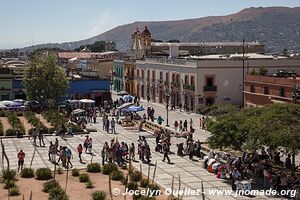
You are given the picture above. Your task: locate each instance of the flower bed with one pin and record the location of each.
(15, 121)
(31, 118)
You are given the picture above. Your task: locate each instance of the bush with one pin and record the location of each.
(84, 178)
(8, 174)
(14, 191)
(49, 185)
(10, 132)
(144, 183)
(57, 193)
(154, 187)
(2, 114)
(99, 195)
(43, 174)
(9, 184)
(19, 114)
(15, 121)
(135, 176)
(132, 185)
(75, 172)
(27, 173)
(117, 175)
(89, 184)
(108, 168)
(94, 168)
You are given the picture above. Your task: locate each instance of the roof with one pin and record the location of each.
(83, 55)
(238, 56)
(216, 44)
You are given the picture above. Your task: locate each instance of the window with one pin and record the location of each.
(160, 75)
(282, 92)
(143, 74)
(173, 77)
(266, 90)
(252, 88)
(167, 76)
(137, 73)
(186, 80)
(209, 81)
(177, 78)
(192, 80)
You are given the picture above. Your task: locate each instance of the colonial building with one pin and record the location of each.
(140, 44)
(261, 90)
(206, 48)
(129, 76)
(202, 80)
(118, 78)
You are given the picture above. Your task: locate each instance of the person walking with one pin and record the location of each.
(185, 124)
(69, 156)
(176, 125)
(166, 150)
(79, 150)
(90, 145)
(34, 135)
(21, 158)
(103, 155)
(107, 125)
(132, 152)
(41, 138)
(113, 125)
(191, 122)
(180, 106)
(104, 122)
(86, 143)
(180, 126)
(50, 150)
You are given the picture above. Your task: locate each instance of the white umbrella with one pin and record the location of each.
(9, 103)
(86, 101)
(77, 111)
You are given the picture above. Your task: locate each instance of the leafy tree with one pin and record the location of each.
(155, 40)
(98, 46)
(262, 71)
(253, 72)
(44, 79)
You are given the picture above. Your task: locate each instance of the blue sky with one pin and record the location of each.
(26, 22)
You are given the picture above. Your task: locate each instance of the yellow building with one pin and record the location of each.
(129, 77)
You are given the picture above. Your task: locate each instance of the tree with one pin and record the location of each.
(44, 79)
(174, 41)
(262, 71)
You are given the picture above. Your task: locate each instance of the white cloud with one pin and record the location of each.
(104, 23)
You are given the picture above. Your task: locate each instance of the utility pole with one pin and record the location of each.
(243, 82)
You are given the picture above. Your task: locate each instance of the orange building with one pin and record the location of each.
(261, 90)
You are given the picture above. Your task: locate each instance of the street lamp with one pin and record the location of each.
(167, 98)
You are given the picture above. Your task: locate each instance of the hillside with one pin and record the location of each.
(276, 27)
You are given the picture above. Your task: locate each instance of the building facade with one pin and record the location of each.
(118, 78)
(129, 76)
(202, 81)
(261, 90)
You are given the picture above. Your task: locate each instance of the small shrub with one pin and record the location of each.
(14, 191)
(94, 168)
(9, 184)
(89, 184)
(49, 185)
(75, 172)
(99, 195)
(27, 173)
(19, 114)
(59, 170)
(109, 167)
(84, 178)
(144, 183)
(43, 174)
(57, 193)
(8, 174)
(132, 185)
(135, 176)
(117, 175)
(2, 114)
(154, 187)
(10, 132)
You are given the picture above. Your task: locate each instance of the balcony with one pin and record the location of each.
(207, 88)
(188, 87)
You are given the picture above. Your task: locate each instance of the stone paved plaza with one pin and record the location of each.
(191, 172)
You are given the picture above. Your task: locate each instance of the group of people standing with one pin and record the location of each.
(63, 153)
(109, 125)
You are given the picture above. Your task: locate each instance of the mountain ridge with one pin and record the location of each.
(259, 24)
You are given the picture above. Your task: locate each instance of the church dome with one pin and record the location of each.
(146, 31)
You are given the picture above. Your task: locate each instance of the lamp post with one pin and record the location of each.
(167, 98)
